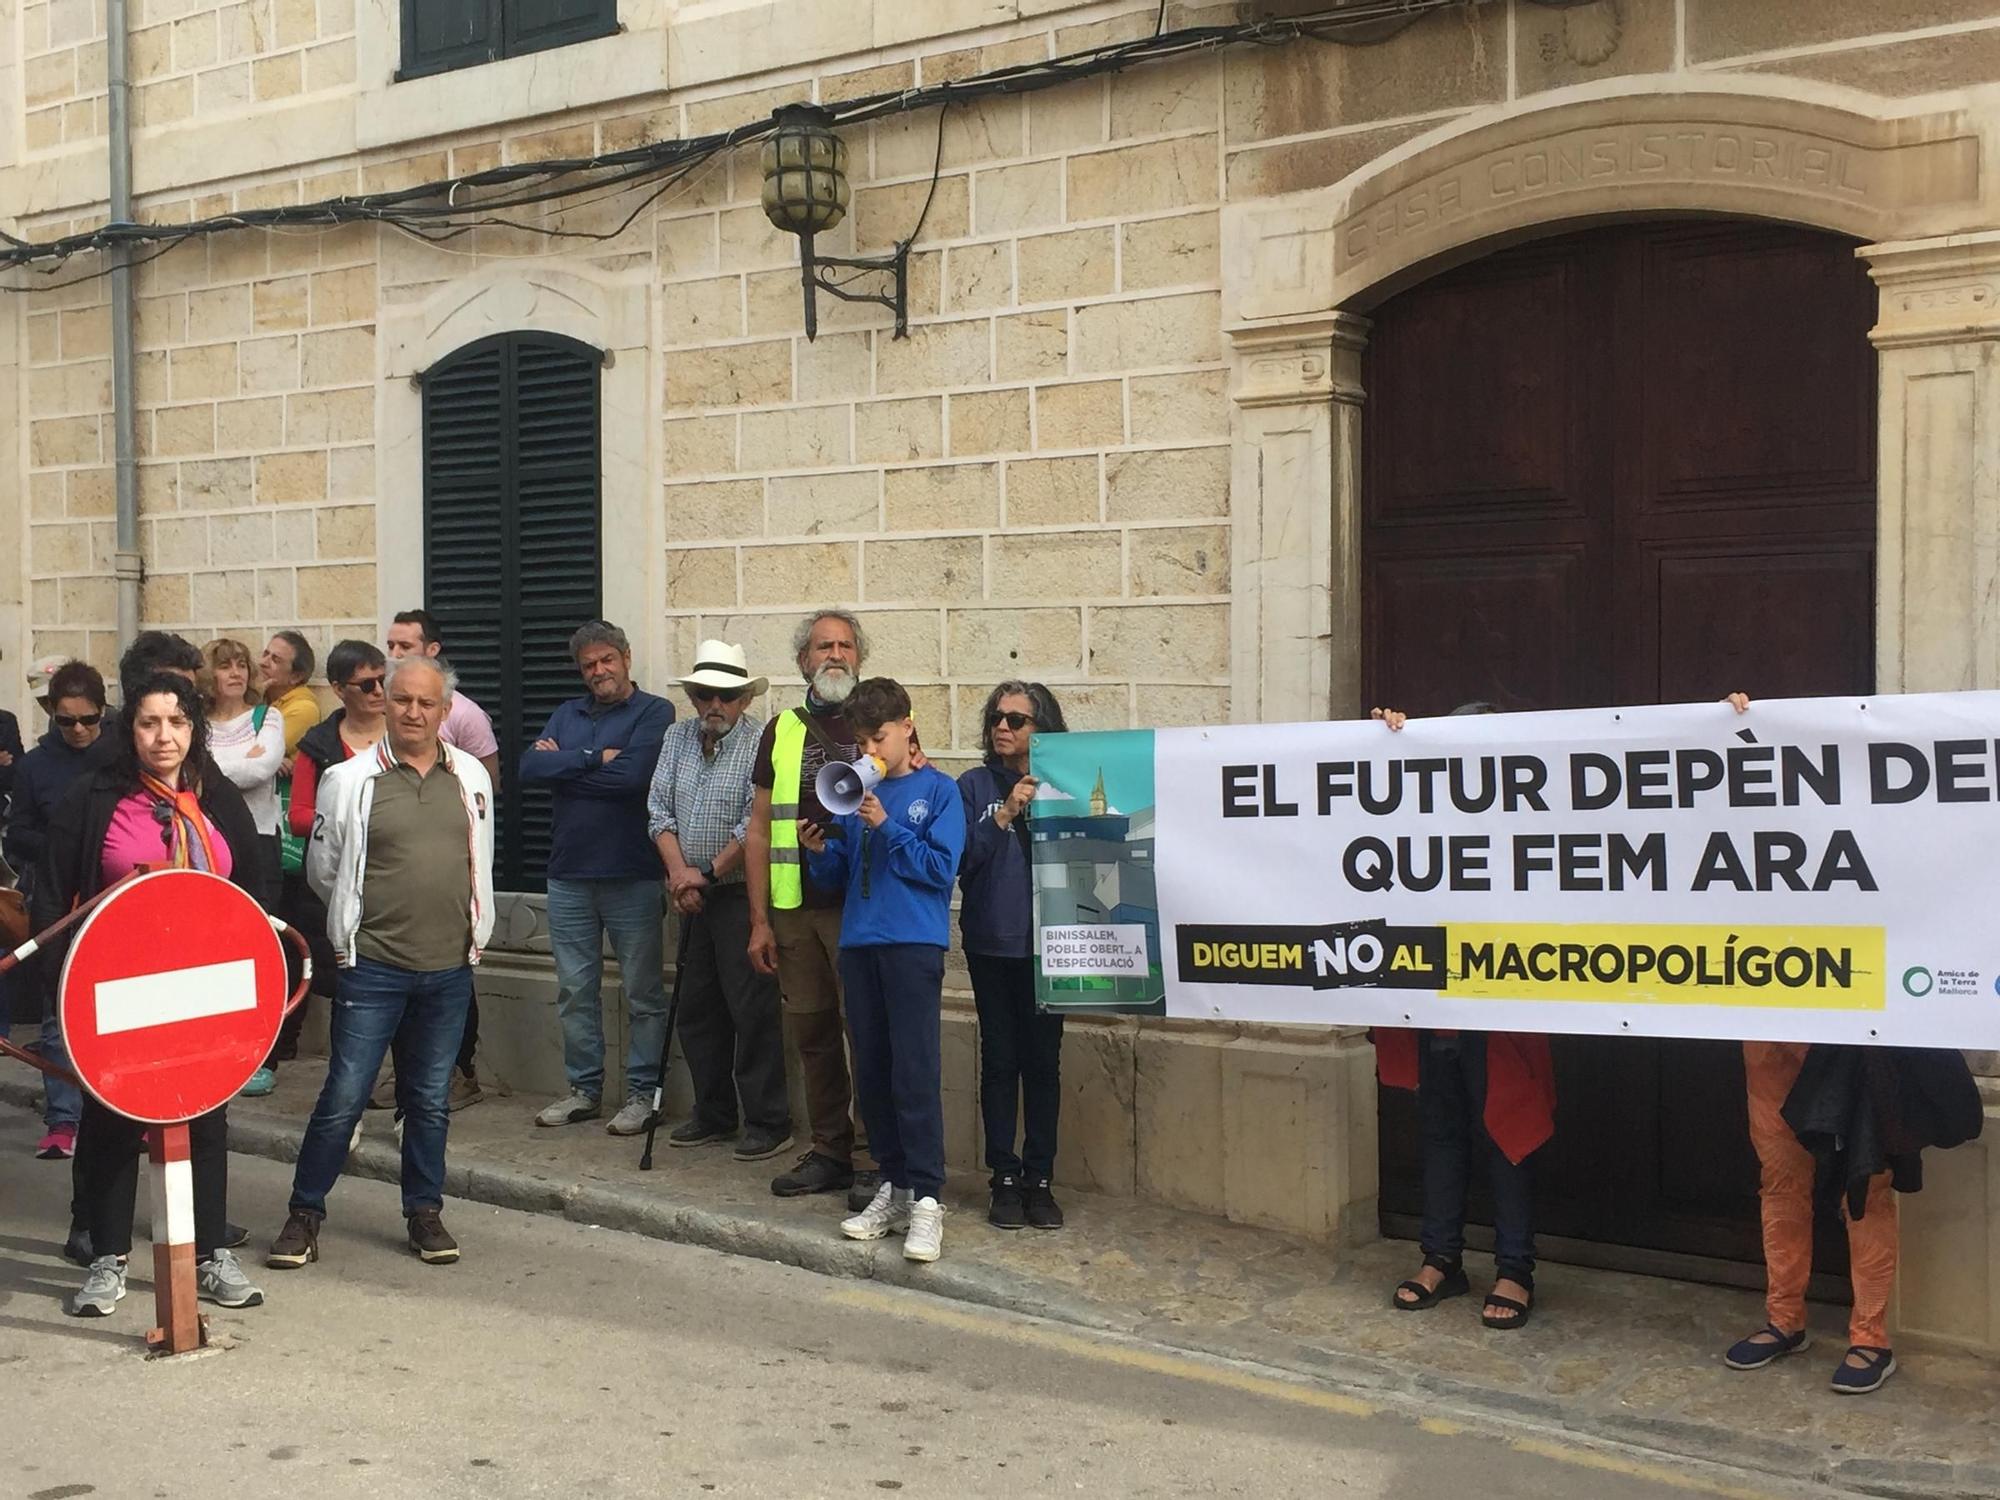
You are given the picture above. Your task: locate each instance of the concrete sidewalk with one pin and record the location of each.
(1617, 1358)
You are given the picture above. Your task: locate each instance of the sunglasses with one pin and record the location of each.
(715, 695)
(1011, 720)
(76, 721)
(365, 685)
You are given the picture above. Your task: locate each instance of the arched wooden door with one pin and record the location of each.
(1629, 465)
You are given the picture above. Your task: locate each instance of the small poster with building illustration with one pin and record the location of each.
(1091, 831)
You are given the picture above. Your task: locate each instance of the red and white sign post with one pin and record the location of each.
(171, 998)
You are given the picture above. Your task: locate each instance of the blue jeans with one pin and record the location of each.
(1451, 1098)
(421, 1015)
(892, 994)
(62, 1100)
(581, 912)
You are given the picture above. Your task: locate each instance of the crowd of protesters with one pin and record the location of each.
(372, 831)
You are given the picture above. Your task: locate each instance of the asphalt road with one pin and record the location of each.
(560, 1360)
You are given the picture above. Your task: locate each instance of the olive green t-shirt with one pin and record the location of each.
(416, 897)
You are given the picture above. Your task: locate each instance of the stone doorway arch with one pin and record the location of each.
(1302, 271)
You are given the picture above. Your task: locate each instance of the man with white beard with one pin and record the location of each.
(795, 926)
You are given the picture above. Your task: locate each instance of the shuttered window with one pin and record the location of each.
(439, 35)
(511, 547)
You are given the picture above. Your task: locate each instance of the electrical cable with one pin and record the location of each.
(450, 208)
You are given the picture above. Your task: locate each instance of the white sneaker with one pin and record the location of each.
(888, 1210)
(569, 1109)
(925, 1240)
(631, 1120)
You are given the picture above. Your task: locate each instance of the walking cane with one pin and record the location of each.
(667, 1045)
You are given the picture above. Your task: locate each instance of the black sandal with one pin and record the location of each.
(1521, 1310)
(1454, 1284)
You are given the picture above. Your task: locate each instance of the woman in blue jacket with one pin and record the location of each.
(1020, 1050)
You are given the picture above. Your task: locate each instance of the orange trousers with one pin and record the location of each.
(1785, 1193)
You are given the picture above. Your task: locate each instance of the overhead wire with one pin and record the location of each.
(452, 207)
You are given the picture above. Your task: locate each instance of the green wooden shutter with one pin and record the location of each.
(511, 547)
(439, 35)
(533, 25)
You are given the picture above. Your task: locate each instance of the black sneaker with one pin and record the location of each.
(234, 1236)
(1010, 1205)
(813, 1173)
(431, 1241)
(698, 1132)
(1043, 1210)
(77, 1246)
(863, 1192)
(760, 1144)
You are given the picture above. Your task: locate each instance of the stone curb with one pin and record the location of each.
(660, 1215)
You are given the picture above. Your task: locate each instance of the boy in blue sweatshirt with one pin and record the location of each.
(896, 857)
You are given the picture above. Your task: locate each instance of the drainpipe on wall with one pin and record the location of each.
(126, 565)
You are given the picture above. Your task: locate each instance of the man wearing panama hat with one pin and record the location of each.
(731, 1026)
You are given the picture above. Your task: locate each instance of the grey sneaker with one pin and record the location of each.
(102, 1290)
(220, 1280)
(631, 1120)
(569, 1109)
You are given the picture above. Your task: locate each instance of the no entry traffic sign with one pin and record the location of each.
(172, 995)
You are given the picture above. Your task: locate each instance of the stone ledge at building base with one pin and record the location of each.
(1623, 1360)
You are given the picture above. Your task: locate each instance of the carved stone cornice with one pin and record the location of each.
(1300, 363)
(1939, 291)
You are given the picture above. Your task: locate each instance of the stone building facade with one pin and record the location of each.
(1122, 448)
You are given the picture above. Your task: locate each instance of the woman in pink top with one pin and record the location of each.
(160, 803)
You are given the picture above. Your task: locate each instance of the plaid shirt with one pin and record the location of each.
(704, 802)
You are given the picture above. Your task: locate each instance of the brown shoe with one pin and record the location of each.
(297, 1243)
(430, 1240)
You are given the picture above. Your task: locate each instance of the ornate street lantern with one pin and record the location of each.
(806, 193)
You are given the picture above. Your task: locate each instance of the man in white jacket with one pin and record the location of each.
(402, 854)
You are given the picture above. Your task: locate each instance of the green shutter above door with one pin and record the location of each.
(533, 25)
(439, 35)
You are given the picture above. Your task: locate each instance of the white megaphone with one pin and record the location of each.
(842, 786)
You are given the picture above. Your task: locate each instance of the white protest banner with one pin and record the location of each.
(1812, 870)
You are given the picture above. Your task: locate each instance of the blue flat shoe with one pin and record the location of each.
(1767, 1345)
(261, 1083)
(1859, 1380)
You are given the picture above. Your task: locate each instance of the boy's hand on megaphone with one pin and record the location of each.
(872, 812)
(812, 837)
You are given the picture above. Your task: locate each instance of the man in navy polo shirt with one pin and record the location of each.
(596, 756)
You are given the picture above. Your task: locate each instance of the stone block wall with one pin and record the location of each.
(190, 60)
(1036, 480)
(255, 391)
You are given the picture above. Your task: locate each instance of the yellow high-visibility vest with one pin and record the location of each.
(788, 745)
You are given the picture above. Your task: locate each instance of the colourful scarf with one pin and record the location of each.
(180, 812)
